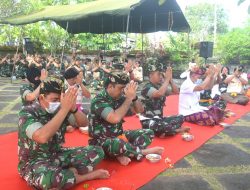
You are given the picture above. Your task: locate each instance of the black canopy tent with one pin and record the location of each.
(109, 16)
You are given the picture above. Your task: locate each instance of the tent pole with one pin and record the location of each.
(141, 35)
(103, 38)
(142, 43)
(13, 69)
(64, 47)
(103, 42)
(154, 33)
(189, 47)
(128, 18)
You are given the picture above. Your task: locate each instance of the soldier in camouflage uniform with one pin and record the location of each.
(21, 67)
(54, 67)
(154, 96)
(29, 92)
(107, 111)
(6, 66)
(43, 162)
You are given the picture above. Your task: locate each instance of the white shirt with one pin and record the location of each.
(138, 73)
(79, 98)
(236, 85)
(189, 99)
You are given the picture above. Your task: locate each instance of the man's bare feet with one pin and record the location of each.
(96, 174)
(183, 130)
(153, 150)
(70, 129)
(124, 160)
(99, 174)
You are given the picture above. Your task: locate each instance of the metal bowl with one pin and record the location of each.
(153, 157)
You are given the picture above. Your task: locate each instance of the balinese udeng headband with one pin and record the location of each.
(51, 84)
(199, 71)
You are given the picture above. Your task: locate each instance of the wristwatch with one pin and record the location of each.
(73, 112)
(136, 98)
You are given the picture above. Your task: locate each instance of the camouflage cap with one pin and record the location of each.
(119, 77)
(78, 59)
(51, 84)
(153, 64)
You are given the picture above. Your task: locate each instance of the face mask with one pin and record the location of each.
(198, 82)
(53, 106)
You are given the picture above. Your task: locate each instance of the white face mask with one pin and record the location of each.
(53, 106)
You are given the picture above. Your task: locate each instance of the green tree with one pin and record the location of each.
(201, 20)
(14, 7)
(234, 47)
(47, 35)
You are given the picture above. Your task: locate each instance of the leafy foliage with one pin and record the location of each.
(201, 20)
(234, 47)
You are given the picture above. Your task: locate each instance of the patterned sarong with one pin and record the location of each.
(209, 117)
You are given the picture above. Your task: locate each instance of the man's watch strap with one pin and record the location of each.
(74, 111)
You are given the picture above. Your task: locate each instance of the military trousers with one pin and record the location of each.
(165, 126)
(54, 173)
(129, 144)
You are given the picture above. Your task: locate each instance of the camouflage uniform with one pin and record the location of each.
(153, 109)
(6, 69)
(46, 166)
(107, 135)
(24, 90)
(52, 70)
(21, 69)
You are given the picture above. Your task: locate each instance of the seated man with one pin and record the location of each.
(211, 95)
(154, 96)
(107, 112)
(30, 92)
(235, 90)
(190, 96)
(43, 162)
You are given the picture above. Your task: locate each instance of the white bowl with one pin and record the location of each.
(84, 130)
(187, 137)
(153, 157)
(103, 188)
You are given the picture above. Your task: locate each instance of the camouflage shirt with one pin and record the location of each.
(101, 106)
(152, 106)
(31, 118)
(24, 90)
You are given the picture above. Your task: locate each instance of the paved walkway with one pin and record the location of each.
(222, 163)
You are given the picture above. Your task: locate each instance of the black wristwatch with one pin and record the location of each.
(136, 98)
(73, 112)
